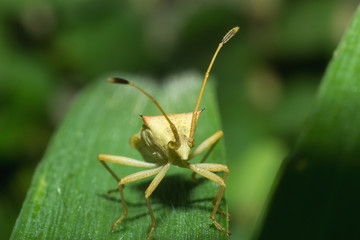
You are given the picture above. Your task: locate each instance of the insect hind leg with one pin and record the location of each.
(119, 189)
(125, 211)
(108, 193)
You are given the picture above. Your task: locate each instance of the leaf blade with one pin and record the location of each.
(316, 197)
(67, 197)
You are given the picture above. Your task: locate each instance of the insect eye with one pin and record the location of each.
(147, 136)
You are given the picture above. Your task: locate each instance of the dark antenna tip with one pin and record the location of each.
(118, 80)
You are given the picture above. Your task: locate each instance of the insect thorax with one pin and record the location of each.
(153, 139)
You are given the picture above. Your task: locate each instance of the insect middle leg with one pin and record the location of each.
(131, 178)
(209, 142)
(123, 161)
(206, 170)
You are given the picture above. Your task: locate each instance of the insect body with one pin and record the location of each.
(166, 140)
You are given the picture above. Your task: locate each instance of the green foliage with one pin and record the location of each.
(268, 76)
(67, 198)
(317, 195)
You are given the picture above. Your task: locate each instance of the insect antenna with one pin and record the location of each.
(225, 39)
(174, 145)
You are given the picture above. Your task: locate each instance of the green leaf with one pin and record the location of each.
(318, 196)
(67, 198)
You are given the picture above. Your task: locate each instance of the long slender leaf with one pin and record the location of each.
(318, 193)
(67, 198)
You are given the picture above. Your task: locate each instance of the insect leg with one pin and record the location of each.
(216, 168)
(210, 142)
(125, 211)
(155, 182)
(103, 158)
(206, 170)
(123, 161)
(131, 178)
(217, 200)
(213, 139)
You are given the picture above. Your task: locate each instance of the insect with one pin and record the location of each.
(166, 140)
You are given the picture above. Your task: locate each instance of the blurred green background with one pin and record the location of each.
(267, 76)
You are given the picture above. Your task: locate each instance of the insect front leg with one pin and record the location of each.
(206, 170)
(209, 142)
(155, 182)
